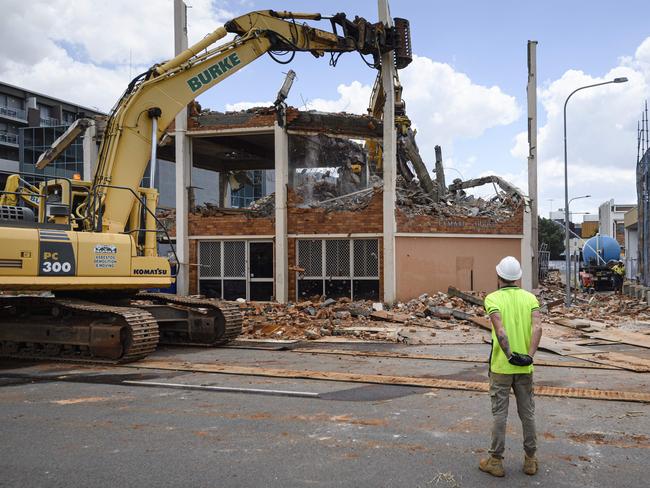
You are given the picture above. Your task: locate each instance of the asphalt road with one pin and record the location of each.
(73, 426)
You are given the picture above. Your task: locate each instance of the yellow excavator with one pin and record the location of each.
(74, 255)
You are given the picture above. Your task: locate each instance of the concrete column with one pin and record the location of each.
(183, 164)
(527, 250)
(89, 152)
(281, 243)
(389, 164)
(531, 90)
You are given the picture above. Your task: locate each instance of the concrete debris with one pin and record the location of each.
(605, 307)
(414, 201)
(404, 322)
(411, 199)
(414, 321)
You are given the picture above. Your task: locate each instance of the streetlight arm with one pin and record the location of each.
(583, 88)
(566, 187)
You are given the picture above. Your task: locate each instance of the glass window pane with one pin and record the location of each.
(309, 288)
(338, 289)
(261, 291)
(210, 288)
(366, 290)
(234, 289)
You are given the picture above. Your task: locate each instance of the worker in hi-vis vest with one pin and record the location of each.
(516, 332)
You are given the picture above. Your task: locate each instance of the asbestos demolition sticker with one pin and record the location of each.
(105, 249)
(105, 256)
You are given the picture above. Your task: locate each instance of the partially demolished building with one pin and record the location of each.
(333, 221)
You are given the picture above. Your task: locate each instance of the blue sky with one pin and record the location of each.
(465, 90)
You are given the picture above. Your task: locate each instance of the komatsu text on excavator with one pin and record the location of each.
(92, 246)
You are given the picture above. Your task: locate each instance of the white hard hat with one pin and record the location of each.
(509, 269)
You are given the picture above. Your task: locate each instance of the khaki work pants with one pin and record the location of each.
(522, 386)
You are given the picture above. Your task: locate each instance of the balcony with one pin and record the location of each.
(13, 113)
(9, 139)
(49, 122)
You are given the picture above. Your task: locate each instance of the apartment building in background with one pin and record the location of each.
(29, 123)
(611, 218)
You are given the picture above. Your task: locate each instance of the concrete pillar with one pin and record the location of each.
(281, 243)
(531, 90)
(389, 164)
(90, 149)
(526, 251)
(183, 164)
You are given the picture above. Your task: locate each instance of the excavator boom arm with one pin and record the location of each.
(166, 89)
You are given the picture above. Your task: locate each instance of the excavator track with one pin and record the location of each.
(75, 330)
(225, 326)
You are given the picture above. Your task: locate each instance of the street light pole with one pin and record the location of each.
(567, 286)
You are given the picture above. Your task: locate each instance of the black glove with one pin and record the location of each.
(520, 359)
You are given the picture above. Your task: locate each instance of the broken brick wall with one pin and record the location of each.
(431, 264)
(460, 224)
(319, 221)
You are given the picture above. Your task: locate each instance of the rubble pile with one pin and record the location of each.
(315, 319)
(410, 199)
(414, 201)
(606, 307)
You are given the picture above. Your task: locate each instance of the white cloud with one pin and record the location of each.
(443, 104)
(353, 99)
(601, 134)
(81, 51)
(236, 107)
(447, 106)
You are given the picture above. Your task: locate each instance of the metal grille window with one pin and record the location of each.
(236, 269)
(310, 257)
(234, 259)
(366, 258)
(337, 258)
(210, 259)
(339, 267)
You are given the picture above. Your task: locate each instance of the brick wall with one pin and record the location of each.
(228, 224)
(236, 224)
(460, 225)
(318, 221)
(293, 261)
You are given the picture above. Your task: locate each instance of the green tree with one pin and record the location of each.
(552, 234)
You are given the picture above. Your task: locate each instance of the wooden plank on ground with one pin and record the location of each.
(455, 292)
(618, 359)
(622, 336)
(389, 316)
(580, 324)
(447, 357)
(593, 394)
(564, 348)
(558, 347)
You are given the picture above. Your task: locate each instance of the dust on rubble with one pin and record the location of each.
(604, 307)
(366, 320)
(428, 319)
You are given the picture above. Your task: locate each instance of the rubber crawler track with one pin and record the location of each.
(232, 315)
(143, 330)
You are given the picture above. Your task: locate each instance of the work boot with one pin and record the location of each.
(530, 464)
(493, 466)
